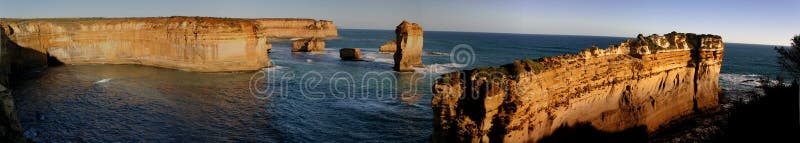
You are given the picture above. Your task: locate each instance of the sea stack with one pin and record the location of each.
(408, 52)
(308, 45)
(388, 47)
(350, 54)
(641, 84)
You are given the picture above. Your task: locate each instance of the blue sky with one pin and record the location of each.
(759, 22)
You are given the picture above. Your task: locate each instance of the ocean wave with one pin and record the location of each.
(439, 68)
(378, 57)
(750, 80)
(435, 54)
(741, 86)
(274, 68)
(105, 80)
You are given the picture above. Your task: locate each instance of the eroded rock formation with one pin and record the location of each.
(350, 54)
(408, 52)
(646, 81)
(308, 45)
(388, 47)
(200, 44)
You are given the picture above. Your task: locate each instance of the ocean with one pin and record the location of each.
(304, 97)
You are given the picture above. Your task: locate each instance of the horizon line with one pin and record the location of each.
(732, 42)
(339, 27)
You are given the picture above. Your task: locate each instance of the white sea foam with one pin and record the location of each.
(439, 68)
(740, 79)
(274, 68)
(435, 54)
(102, 81)
(741, 86)
(377, 57)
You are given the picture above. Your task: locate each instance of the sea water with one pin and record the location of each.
(304, 97)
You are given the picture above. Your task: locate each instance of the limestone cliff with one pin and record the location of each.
(408, 53)
(200, 44)
(645, 81)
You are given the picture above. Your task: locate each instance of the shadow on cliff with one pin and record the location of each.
(10, 128)
(585, 132)
(24, 62)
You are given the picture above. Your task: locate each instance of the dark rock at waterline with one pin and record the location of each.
(350, 54)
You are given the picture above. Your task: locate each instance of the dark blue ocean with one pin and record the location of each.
(305, 97)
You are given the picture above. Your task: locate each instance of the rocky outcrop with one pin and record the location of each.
(388, 47)
(308, 45)
(10, 128)
(646, 81)
(408, 52)
(350, 54)
(200, 44)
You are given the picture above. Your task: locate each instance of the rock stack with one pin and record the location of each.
(350, 54)
(308, 45)
(389, 47)
(408, 52)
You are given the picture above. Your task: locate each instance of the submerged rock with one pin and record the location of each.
(640, 83)
(350, 54)
(308, 45)
(408, 52)
(388, 47)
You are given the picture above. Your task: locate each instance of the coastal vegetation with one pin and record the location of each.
(773, 116)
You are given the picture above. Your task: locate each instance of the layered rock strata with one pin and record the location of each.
(646, 81)
(308, 45)
(408, 53)
(388, 47)
(200, 44)
(350, 54)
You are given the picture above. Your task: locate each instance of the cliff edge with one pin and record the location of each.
(646, 81)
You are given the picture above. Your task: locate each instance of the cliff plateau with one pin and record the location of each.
(646, 81)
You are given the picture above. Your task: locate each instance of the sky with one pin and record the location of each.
(742, 21)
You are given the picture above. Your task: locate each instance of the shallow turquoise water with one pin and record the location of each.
(310, 97)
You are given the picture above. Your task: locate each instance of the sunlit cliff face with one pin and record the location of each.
(187, 43)
(645, 81)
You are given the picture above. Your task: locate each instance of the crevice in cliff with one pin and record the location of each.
(695, 63)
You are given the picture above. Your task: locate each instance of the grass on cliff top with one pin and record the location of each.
(512, 70)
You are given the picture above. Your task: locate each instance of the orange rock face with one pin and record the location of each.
(308, 45)
(199, 44)
(408, 53)
(388, 47)
(646, 81)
